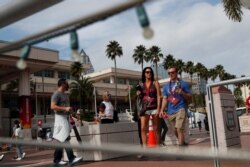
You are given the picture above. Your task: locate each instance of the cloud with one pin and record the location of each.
(196, 30)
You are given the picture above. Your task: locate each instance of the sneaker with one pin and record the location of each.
(139, 156)
(1, 157)
(75, 160)
(163, 145)
(60, 163)
(18, 159)
(23, 155)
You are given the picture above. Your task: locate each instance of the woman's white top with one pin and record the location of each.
(109, 110)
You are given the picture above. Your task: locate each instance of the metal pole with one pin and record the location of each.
(71, 25)
(129, 99)
(95, 102)
(213, 135)
(44, 111)
(17, 10)
(36, 102)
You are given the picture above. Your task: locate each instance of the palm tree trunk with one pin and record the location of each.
(156, 69)
(115, 85)
(142, 66)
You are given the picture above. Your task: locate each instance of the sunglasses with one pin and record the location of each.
(148, 72)
(171, 72)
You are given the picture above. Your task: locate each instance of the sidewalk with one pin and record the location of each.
(35, 158)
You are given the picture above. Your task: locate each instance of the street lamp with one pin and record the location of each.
(21, 63)
(144, 22)
(74, 46)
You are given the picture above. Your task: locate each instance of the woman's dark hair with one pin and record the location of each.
(143, 78)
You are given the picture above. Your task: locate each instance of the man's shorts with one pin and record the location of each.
(177, 119)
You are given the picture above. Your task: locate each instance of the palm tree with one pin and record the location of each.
(168, 61)
(227, 76)
(180, 65)
(139, 55)
(233, 9)
(213, 74)
(190, 69)
(154, 55)
(238, 96)
(220, 71)
(76, 70)
(114, 49)
(82, 88)
(204, 73)
(198, 69)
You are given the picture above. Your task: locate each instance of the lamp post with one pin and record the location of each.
(44, 111)
(129, 98)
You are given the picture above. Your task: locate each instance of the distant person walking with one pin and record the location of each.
(18, 133)
(206, 124)
(199, 125)
(60, 105)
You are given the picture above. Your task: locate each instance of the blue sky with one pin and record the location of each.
(191, 30)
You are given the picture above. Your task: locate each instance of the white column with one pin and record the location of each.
(24, 83)
(25, 107)
(112, 79)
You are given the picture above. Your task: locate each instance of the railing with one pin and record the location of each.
(212, 112)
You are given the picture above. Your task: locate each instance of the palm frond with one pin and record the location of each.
(233, 9)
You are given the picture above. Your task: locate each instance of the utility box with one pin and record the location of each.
(227, 127)
(244, 121)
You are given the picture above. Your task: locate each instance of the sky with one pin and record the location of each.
(191, 30)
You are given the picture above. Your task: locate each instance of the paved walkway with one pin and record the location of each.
(43, 158)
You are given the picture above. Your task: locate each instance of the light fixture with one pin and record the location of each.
(144, 22)
(74, 46)
(21, 63)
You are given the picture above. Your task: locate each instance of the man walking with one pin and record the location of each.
(176, 93)
(62, 109)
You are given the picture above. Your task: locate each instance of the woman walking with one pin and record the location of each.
(151, 101)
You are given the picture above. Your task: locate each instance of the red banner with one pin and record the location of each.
(25, 111)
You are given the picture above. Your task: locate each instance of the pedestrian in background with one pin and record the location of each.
(163, 131)
(106, 109)
(176, 93)
(60, 105)
(199, 125)
(18, 134)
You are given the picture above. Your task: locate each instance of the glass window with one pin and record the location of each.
(121, 81)
(39, 74)
(45, 73)
(133, 82)
(106, 80)
(49, 73)
(63, 74)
